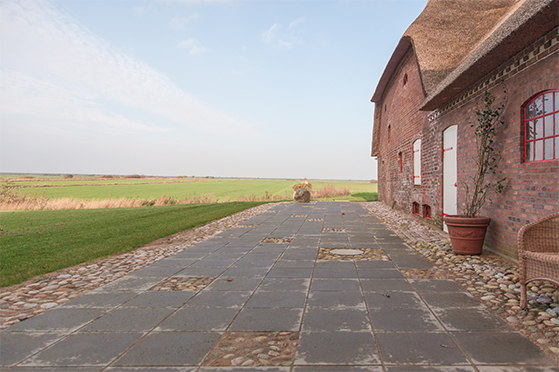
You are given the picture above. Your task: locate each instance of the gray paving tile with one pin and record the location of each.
(131, 283)
(58, 320)
(289, 299)
(450, 299)
(331, 264)
(286, 272)
(267, 319)
(335, 285)
(199, 319)
(330, 320)
(506, 348)
(14, 347)
(383, 285)
(336, 300)
(359, 348)
(233, 299)
(57, 369)
(322, 368)
(436, 285)
(422, 348)
(335, 273)
(245, 369)
(246, 272)
(155, 271)
(375, 265)
(295, 264)
(234, 284)
(390, 299)
(284, 284)
(403, 319)
(85, 349)
(366, 273)
(128, 320)
(198, 272)
(170, 349)
(516, 369)
(99, 300)
(300, 254)
(416, 368)
(471, 319)
(155, 299)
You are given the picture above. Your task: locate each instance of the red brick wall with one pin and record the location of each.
(400, 110)
(532, 189)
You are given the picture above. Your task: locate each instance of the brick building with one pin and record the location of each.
(426, 99)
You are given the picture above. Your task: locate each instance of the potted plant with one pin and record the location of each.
(467, 231)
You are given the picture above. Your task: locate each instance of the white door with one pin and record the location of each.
(450, 188)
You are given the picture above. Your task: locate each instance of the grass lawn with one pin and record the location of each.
(222, 188)
(37, 242)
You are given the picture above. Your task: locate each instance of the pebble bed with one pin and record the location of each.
(488, 277)
(254, 349)
(35, 296)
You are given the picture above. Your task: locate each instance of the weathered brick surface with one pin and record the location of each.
(532, 189)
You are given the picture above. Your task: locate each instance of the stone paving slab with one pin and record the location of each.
(348, 315)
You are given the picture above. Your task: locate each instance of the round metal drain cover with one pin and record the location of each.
(347, 252)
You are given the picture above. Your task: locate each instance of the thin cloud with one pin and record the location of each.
(193, 46)
(296, 22)
(45, 48)
(179, 23)
(275, 36)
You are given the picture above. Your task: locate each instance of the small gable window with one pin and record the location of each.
(405, 80)
(541, 127)
(417, 162)
(401, 162)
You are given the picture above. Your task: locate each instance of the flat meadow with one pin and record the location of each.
(48, 223)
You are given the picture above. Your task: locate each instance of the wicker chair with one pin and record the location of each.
(538, 252)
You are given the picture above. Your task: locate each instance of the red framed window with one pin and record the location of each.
(541, 127)
(426, 211)
(415, 208)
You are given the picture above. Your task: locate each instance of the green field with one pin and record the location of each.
(152, 188)
(38, 242)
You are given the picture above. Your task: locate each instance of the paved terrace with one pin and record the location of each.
(275, 294)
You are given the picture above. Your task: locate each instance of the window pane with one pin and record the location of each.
(539, 128)
(538, 105)
(548, 120)
(556, 101)
(557, 120)
(529, 151)
(529, 111)
(529, 130)
(548, 103)
(556, 147)
(549, 148)
(539, 150)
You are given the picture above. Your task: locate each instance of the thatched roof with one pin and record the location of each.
(457, 42)
(443, 34)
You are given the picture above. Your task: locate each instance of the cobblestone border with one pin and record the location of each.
(490, 278)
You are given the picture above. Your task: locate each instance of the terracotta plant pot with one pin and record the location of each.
(467, 233)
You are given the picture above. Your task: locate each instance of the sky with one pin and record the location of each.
(224, 88)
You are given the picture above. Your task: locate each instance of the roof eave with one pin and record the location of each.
(401, 49)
